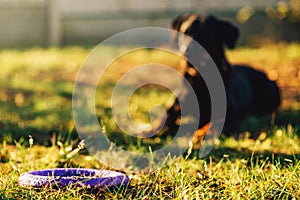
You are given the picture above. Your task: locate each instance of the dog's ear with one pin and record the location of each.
(176, 23)
(226, 31)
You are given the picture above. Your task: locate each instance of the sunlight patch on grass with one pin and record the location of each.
(36, 96)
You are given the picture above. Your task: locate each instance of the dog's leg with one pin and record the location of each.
(173, 114)
(168, 123)
(273, 117)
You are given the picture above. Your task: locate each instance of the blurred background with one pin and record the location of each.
(68, 22)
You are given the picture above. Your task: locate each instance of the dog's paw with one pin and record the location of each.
(199, 136)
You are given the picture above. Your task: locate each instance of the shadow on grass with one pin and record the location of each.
(27, 112)
(282, 120)
(41, 123)
(234, 154)
(289, 116)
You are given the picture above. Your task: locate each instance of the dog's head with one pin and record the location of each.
(211, 33)
(180, 24)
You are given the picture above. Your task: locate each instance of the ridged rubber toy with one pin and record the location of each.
(89, 179)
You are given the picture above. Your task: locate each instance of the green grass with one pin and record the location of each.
(36, 97)
(265, 168)
(36, 90)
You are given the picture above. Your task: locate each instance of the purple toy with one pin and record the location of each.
(89, 179)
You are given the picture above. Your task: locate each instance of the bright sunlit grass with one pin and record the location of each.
(36, 99)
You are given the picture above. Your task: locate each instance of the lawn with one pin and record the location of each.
(36, 101)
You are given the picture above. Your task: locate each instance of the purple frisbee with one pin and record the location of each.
(89, 179)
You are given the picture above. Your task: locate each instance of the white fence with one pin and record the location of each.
(55, 22)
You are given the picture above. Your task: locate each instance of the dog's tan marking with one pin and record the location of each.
(199, 136)
(185, 25)
(192, 71)
(184, 41)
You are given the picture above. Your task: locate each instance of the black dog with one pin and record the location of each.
(248, 91)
